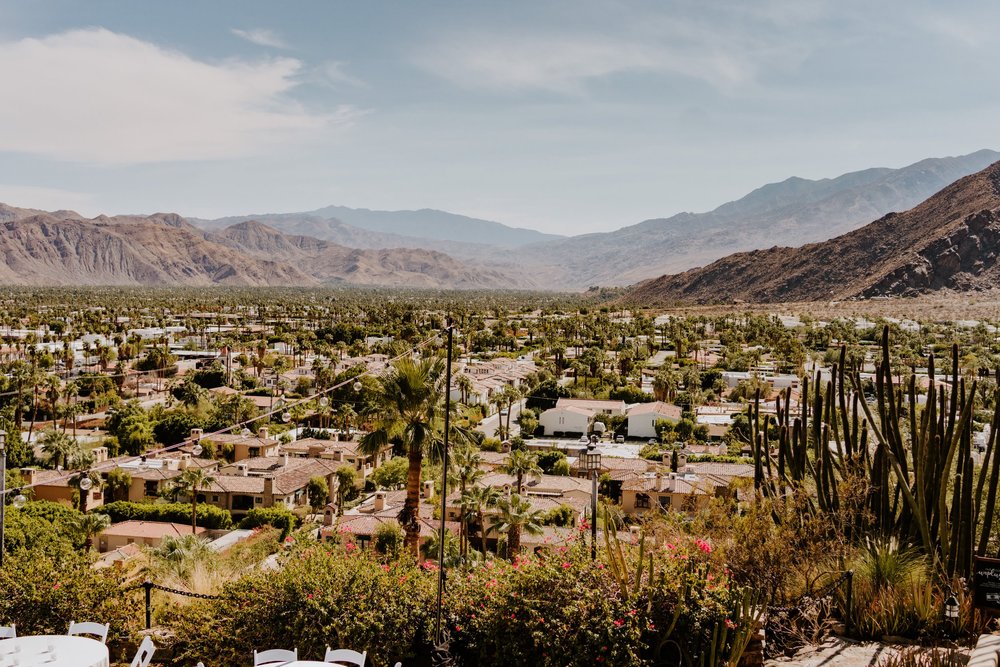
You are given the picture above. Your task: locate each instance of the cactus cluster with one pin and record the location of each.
(914, 460)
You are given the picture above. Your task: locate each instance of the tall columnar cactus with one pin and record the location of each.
(917, 461)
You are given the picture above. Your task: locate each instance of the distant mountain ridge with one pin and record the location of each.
(64, 248)
(389, 226)
(949, 241)
(792, 212)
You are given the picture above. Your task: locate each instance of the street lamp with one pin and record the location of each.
(3, 493)
(592, 462)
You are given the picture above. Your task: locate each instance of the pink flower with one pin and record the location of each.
(600, 566)
(730, 624)
(703, 546)
(458, 628)
(566, 566)
(56, 586)
(619, 622)
(309, 597)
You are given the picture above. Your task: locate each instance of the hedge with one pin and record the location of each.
(209, 516)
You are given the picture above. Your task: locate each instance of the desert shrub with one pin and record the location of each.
(209, 516)
(388, 539)
(318, 598)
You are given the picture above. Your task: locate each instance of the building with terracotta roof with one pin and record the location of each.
(147, 533)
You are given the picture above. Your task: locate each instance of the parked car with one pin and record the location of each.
(619, 439)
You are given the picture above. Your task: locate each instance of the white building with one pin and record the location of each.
(565, 421)
(642, 418)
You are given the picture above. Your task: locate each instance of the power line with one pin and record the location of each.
(240, 425)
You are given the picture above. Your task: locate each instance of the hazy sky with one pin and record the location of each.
(568, 117)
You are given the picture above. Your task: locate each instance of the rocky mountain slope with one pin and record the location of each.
(794, 212)
(950, 241)
(64, 248)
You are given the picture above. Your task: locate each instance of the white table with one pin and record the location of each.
(33, 651)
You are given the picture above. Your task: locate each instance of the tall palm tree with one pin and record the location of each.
(521, 463)
(465, 463)
(89, 526)
(410, 397)
(117, 484)
(190, 482)
(464, 384)
(475, 501)
(514, 517)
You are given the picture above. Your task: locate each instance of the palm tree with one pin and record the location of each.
(475, 501)
(514, 517)
(465, 462)
(89, 526)
(76, 482)
(190, 482)
(464, 384)
(522, 463)
(58, 447)
(410, 398)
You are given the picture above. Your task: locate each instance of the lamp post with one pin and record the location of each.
(3, 494)
(593, 462)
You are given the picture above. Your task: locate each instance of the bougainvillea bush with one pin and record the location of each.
(557, 607)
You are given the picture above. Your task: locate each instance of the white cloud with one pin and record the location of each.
(335, 74)
(98, 96)
(261, 37)
(723, 53)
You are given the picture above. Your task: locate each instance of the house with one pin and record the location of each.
(565, 420)
(147, 533)
(360, 523)
(613, 408)
(642, 418)
(272, 481)
(673, 491)
(339, 452)
(245, 446)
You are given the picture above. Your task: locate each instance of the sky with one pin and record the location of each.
(564, 116)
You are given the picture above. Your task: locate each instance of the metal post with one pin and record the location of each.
(593, 515)
(3, 494)
(850, 600)
(444, 488)
(148, 585)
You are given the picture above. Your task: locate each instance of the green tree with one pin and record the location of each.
(89, 526)
(190, 482)
(410, 399)
(391, 474)
(347, 477)
(521, 463)
(515, 516)
(475, 502)
(59, 448)
(117, 484)
(318, 492)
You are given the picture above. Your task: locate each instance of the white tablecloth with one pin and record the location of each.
(33, 651)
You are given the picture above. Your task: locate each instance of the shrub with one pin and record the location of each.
(209, 516)
(388, 540)
(392, 473)
(279, 517)
(42, 591)
(548, 459)
(319, 598)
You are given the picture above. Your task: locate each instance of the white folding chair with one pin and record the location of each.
(8, 631)
(345, 656)
(274, 655)
(99, 630)
(144, 654)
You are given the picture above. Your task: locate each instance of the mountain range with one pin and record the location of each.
(436, 249)
(950, 241)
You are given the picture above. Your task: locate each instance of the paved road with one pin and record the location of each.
(489, 425)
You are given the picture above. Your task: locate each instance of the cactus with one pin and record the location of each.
(910, 465)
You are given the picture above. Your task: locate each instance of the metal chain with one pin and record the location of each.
(797, 606)
(200, 596)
